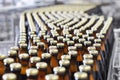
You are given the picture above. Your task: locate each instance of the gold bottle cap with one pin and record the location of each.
(70, 48)
(70, 42)
(35, 59)
(34, 47)
(90, 38)
(85, 36)
(72, 53)
(23, 45)
(64, 62)
(68, 36)
(36, 38)
(75, 38)
(80, 75)
(66, 39)
(59, 70)
(2, 56)
(91, 48)
(97, 44)
(15, 66)
(60, 38)
(60, 44)
(14, 48)
(51, 77)
(9, 76)
(32, 51)
(52, 47)
(87, 42)
(46, 36)
(89, 31)
(23, 56)
(93, 52)
(41, 65)
(12, 52)
(36, 41)
(8, 61)
(88, 56)
(46, 55)
(32, 72)
(85, 68)
(22, 42)
(53, 42)
(65, 57)
(97, 40)
(53, 51)
(81, 40)
(88, 61)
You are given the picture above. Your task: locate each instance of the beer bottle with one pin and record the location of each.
(72, 48)
(34, 47)
(80, 53)
(81, 40)
(88, 56)
(46, 57)
(23, 48)
(33, 61)
(32, 52)
(60, 71)
(41, 47)
(88, 70)
(73, 62)
(65, 40)
(16, 48)
(7, 62)
(42, 67)
(66, 57)
(16, 68)
(60, 39)
(66, 64)
(32, 74)
(2, 68)
(9, 76)
(13, 54)
(54, 53)
(75, 39)
(53, 42)
(24, 60)
(60, 47)
(51, 77)
(81, 76)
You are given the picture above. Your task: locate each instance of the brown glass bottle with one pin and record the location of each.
(81, 76)
(2, 67)
(54, 53)
(73, 62)
(42, 67)
(65, 40)
(13, 54)
(16, 68)
(60, 71)
(24, 60)
(23, 48)
(7, 62)
(46, 57)
(9, 76)
(66, 64)
(33, 61)
(33, 52)
(80, 53)
(88, 70)
(32, 74)
(60, 47)
(15, 48)
(51, 77)
(41, 47)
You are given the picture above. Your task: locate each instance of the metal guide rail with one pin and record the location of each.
(69, 44)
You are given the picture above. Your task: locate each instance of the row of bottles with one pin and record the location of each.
(58, 46)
